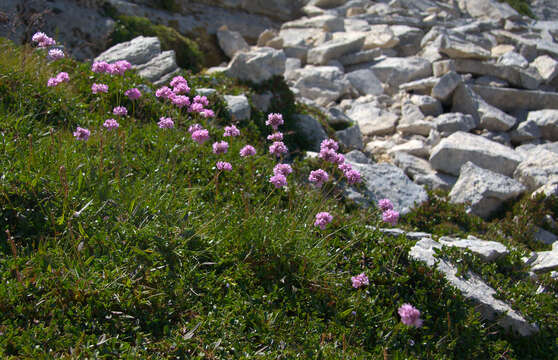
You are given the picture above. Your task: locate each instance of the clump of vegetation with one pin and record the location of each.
(188, 55)
(129, 242)
(522, 7)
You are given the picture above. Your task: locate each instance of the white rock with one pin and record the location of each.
(488, 9)
(322, 84)
(395, 71)
(487, 250)
(454, 151)
(411, 165)
(326, 22)
(413, 147)
(157, 67)
(137, 51)
(350, 138)
(365, 82)
(380, 36)
(238, 107)
(428, 105)
(501, 49)
(512, 58)
(484, 191)
(373, 120)
(539, 168)
(547, 67)
(457, 48)
(525, 132)
(545, 262)
(335, 48)
(547, 121)
(449, 123)
(257, 65)
(231, 41)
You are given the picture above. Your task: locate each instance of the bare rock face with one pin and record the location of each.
(257, 65)
(231, 42)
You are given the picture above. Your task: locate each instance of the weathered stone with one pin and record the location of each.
(322, 84)
(467, 101)
(507, 73)
(411, 165)
(336, 117)
(365, 82)
(488, 251)
(238, 107)
(311, 130)
(328, 4)
(205, 91)
(501, 49)
(457, 149)
(423, 86)
(457, 48)
(547, 67)
(396, 71)
(335, 48)
(360, 57)
(137, 51)
(547, 121)
(450, 123)
(545, 261)
(488, 9)
(326, 22)
(548, 190)
(373, 120)
(350, 138)
(257, 65)
(412, 126)
(428, 105)
(500, 137)
(487, 80)
(484, 191)
(413, 147)
(514, 99)
(539, 168)
(545, 237)
(442, 67)
(446, 85)
(231, 41)
(380, 36)
(512, 58)
(387, 181)
(266, 36)
(436, 181)
(158, 66)
(525, 132)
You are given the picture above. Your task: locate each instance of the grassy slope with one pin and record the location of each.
(127, 246)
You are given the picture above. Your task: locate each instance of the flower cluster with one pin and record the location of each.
(274, 120)
(200, 135)
(359, 280)
(410, 315)
(247, 150)
(322, 219)
(220, 147)
(280, 172)
(328, 152)
(118, 68)
(82, 133)
(278, 148)
(276, 136)
(120, 111)
(99, 88)
(111, 124)
(224, 166)
(55, 54)
(318, 177)
(60, 78)
(165, 123)
(388, 214)
(43, 40)
(180, 86)
(133, 93)
(231, 131)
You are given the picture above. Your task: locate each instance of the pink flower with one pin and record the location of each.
(220, 147)
(278, 148)
(120, 111)
(410, 315)
(352, 176)
(224, 166)
(194, 127)
(52, 82)
(133, 93)
(248, 150)
(231, 131)
(328, 155)
(283, 169)
(111, 124)
(99, 67)
(390, 216)
(62, 77)
(322, 219)
(318, 177)
(82, 133)
(196, 107)
(274, 120)
(119, 67)
(165, 123)
(279, 180)
(180, 100)
(385, 204)
(277, 136)
(200, 136)
(99, 88)
(329, 144)
(55, 54)
(163, 92)
(178, 80)
(359, 280)
(181, 88)
(43, 40)
(207, 113)
(201, 100)
(345, 167)
(340, 159)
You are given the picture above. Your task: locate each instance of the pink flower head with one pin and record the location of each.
(322, 219)
(359, 280)
(99, 88)
(163, 92)
(345, 167)
(274, 120)
(329, 144)
(165, 123)
(52, 82)
(328, 155)
(181, 88)
(410, 315)
(111, 124)
(390, 216)
(353, 177)
(220, 147)
(194, 127)
(55, 54)
(82, 133)
(201, 100)
(231, 131)
(120, 111)
(206, 113)
(43, 40)
(278, 148)
(340, 159)
(180, 100)
(99, 67)
(385, 204)
(248, 150)
(318, 177)
(133, 93)
(276, 136)
(62, 77)
(200, 136)
(178, 80)
(196, 107)
(119, 67)
(279, 180)
(283, 169)
(224, 166)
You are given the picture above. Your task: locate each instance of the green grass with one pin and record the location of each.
(129, 246)
(522, 7)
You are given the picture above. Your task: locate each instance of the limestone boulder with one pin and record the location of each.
(257, 65)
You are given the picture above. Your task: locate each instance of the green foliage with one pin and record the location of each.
(129, 245)
(188, 55)
(522, 7)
